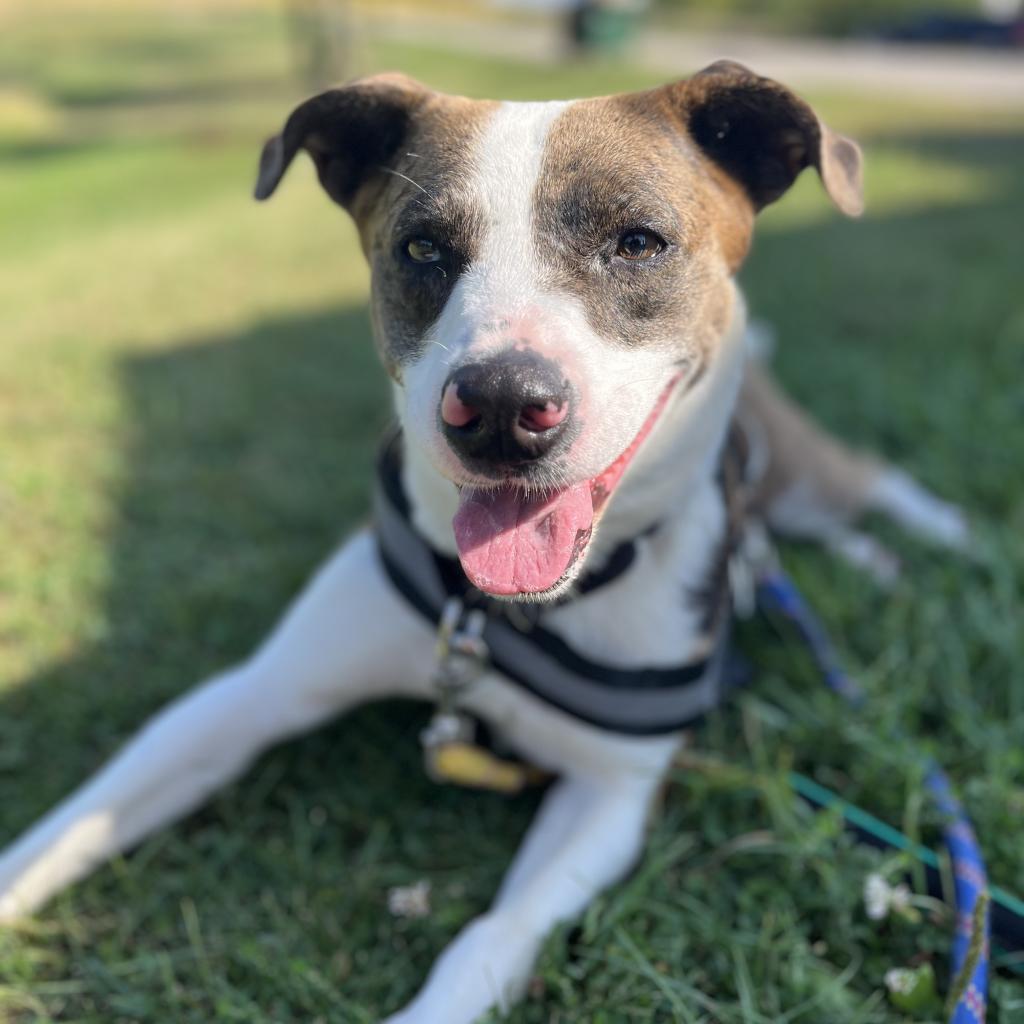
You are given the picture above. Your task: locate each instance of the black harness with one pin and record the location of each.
(634, 701)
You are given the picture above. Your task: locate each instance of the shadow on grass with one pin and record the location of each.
(247, 460)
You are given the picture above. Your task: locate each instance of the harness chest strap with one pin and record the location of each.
(644, 701)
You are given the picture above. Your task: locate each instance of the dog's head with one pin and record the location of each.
(548, 277)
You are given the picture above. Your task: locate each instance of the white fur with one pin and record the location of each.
(496, 290)
(349, 638)
(900, 496)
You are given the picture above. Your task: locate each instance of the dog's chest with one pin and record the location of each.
(651, 617)
(558, 742)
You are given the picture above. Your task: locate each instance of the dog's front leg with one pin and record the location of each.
(348, 637)
(587, 835)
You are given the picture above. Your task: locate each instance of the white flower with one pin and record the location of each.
(899, 898)
(881, 898)
(876, 896)
(901, 980)
(410, 900)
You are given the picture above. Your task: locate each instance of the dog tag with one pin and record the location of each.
(466, 764)
(450, 753)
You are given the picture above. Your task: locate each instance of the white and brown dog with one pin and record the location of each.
(554, 299)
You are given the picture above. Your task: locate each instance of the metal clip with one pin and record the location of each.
(462, 653)
(450, 753)
(754, 556)
(462, 658)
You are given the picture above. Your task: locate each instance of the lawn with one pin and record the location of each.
(188, 406)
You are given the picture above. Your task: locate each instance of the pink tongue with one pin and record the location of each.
(513, 544)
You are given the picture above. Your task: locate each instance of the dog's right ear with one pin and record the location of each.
(349, 132)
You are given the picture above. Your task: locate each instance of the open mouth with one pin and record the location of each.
(512, 543)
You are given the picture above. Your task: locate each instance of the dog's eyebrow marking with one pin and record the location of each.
(589, 191)
(442, 202)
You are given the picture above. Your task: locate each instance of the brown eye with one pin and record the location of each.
(423, 250)
(640, 245)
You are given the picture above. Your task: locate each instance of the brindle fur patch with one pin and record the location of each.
(622, 163)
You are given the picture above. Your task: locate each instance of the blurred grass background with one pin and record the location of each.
(188, 405)
(812, 17)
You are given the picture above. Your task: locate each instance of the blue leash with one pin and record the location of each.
(777, 593)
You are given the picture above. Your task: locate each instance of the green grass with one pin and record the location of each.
(188, 403)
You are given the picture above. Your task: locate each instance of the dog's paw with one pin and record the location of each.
(918, 510)
(948, 525)
(11, 910)
(485, 968)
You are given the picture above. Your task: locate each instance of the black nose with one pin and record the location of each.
(506, 411)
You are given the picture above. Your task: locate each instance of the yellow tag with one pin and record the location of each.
(466, 764)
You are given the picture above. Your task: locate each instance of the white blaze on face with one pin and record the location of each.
(503, 295)
(504, 281)
(500, 286)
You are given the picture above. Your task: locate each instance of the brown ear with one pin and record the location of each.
(349, 132)
(763, 136)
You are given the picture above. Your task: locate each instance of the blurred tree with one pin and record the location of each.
(603, 24)
(322, 41)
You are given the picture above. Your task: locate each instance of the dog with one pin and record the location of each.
(554, 300)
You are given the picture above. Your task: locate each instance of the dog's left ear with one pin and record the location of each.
(350, 132)
(763, 136)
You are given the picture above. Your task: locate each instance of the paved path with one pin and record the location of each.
(967, 75)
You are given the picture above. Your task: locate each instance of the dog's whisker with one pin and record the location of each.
(405, 177)
(639, 380)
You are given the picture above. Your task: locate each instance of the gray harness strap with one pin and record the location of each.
(644, 701)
